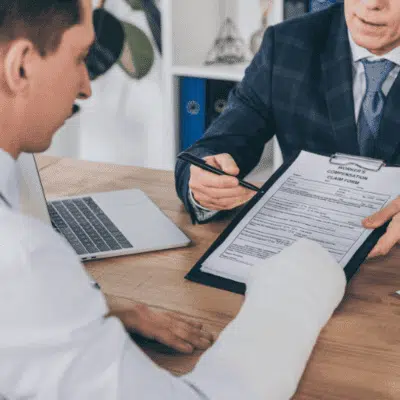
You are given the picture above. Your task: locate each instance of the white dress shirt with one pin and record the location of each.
(359, 87)
(56, 344)
(359, 81)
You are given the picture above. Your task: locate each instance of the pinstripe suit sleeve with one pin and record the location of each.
(244, 127)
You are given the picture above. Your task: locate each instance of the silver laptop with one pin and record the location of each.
(100, 225)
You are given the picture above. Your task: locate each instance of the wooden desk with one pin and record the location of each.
(357, 356)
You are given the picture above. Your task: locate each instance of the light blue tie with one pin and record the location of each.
(371, 110)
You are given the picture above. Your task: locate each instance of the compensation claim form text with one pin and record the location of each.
(316, 198)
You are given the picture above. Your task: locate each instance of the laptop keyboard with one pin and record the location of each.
(83, 223)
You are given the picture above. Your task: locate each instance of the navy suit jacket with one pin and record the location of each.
(298, 87)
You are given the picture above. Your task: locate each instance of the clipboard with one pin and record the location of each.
(199, 276)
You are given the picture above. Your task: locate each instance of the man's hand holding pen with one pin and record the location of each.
(218, 192)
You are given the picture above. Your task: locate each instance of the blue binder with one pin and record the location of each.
(192, 111)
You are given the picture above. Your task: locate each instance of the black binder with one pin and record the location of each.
(217, 92)
(196, 275)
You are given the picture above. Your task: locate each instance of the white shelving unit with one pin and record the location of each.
(189, 30)
(223, 72)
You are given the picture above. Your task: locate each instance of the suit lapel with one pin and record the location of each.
(336, 63)
(388, 142)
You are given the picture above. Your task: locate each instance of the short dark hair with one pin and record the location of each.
(43, 22)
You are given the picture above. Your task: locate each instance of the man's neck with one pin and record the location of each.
(11, 135)
(358, 52)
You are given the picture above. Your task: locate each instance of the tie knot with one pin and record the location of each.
(376, 73)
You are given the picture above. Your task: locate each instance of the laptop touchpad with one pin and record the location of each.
(140, 220)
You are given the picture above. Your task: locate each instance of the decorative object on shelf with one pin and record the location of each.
(153, 17)
(124, 42)
(257, 36)
(107, 48)
(135, 4)
(137, 57)
(229, 47)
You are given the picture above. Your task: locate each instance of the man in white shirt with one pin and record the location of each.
(57, 339)
(307, 86)
(46, 94)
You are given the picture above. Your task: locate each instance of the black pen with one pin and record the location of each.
(198, 162)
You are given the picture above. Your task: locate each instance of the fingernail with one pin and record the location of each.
(374, 253)
(188, 348)
(205, 342)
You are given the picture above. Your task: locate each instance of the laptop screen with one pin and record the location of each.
(33, 201)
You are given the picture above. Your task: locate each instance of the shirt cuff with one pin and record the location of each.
(201, 212)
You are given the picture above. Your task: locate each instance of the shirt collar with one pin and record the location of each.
(9, 179)
(359, 53)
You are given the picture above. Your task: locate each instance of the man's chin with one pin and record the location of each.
(37, 149)
(371, 43)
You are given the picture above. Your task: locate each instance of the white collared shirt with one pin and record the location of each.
(359, 81)
(8, 179)
(55, 342)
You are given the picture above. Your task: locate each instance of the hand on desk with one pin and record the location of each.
(218, 192)
(167, 328)
(392, 235)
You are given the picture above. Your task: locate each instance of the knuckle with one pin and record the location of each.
(383, 251)
(225, 204)
(142, 308)
(195, 172)
(201, 198)
(192, 185)
(186, 336)
(190, 336)
(181, 333)
(245, 193)
(226, 156)
(228, 183)
(209, 195)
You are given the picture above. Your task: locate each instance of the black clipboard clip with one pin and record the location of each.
(367, 163)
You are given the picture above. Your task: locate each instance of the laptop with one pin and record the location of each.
(100, 225)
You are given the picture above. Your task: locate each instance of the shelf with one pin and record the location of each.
(223, 72)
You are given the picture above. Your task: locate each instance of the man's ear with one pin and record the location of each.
(18, 66)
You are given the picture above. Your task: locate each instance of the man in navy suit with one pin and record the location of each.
(307, 86)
